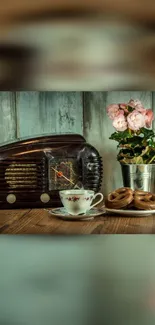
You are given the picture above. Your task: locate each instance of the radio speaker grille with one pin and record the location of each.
(22, 175)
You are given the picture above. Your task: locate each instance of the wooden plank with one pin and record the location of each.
(49, 112)
(98, 128)
(39, 221)
(9, 217)
(7, 116)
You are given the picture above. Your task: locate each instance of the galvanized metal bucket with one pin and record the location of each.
(139, 177)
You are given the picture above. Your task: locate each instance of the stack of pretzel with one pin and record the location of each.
(126, 198)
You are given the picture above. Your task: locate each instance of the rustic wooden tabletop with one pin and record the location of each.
(39, 221)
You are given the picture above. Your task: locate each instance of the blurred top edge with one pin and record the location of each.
(16, 11)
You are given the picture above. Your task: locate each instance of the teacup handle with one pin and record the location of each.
(100, 200)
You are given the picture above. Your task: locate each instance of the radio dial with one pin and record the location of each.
(11, 198)
(45, 198)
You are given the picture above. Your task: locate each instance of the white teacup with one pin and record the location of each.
(79, 201)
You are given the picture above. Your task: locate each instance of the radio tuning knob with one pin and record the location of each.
(11, 198)
(45, 198)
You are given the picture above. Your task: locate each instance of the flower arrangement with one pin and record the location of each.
(133, 132)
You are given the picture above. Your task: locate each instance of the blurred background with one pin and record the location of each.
(80, 45)
(78, 280)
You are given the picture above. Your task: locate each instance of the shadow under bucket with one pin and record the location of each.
(139, 177)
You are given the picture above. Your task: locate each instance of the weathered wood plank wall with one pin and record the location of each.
(25, 114)
(33, 113)
(48, 112)
(7, 116)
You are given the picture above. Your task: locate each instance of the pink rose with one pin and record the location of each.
(131, 103)
(137, 105)
(123, 107)
(140, 109)
(135, 102)
(120, 123)
(136, 120)
(149, 117)
(113, 111)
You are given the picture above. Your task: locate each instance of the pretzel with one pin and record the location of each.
(120, 198)
(138, 193)
(127, 198)
(144, 200)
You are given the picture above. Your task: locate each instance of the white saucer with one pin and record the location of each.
(63, 214)
(131, 213)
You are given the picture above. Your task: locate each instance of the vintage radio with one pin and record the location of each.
(33, 171)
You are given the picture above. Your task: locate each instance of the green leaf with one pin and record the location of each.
(120, 136)
(147, 133)
(135, 141)
(151, 143)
